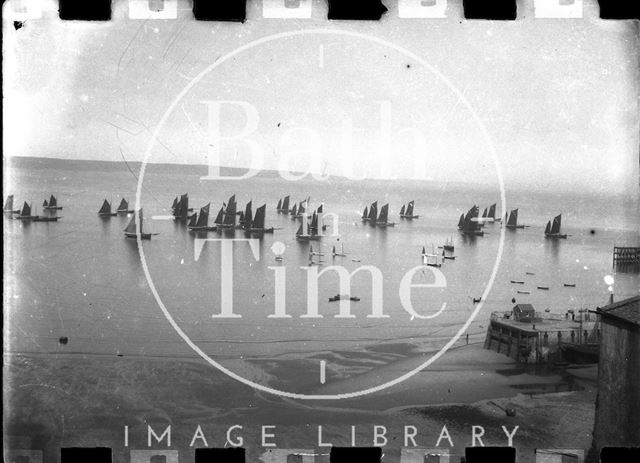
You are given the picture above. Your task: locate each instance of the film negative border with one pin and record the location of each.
(236, 10)
(374, 454)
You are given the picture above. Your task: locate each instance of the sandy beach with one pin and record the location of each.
(81, 400)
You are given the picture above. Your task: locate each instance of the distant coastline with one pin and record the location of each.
(36, 162)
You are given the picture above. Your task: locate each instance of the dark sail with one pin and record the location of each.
(365, 213)
(26, 210)
(547, 229)
(181, 209)
(402, 210)
(384, 214)
(373, 211)
(106, 208)
(294, 211)
(248, 214)
(175, 204)
(279, 206)
(461, 222)
(219, 217)
(258, 219)
(8, 205)
(192, 221)
(555, 227)
(409, 209)
(492, 211)
(45, 203)
(285, 203)
(124, 205)
(53, 202)
(321, 209)
(203, 217)
(484, 213)
(230, 212)
(513, 218)
(314, 222)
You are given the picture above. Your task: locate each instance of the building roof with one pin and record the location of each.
(627, 311)
(524, 307)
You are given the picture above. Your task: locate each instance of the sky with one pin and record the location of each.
(551, 103)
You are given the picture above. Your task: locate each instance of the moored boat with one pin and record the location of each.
(52, 205)
(25, 213)
(407, 212)
(8, 206)
(131, 232)
(201, 222)
(105, 210)
(383, 218)
(512, 222)
(123, 208)
(257, 225)
(552, 230)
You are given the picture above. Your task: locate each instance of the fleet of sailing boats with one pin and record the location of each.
(309, 229)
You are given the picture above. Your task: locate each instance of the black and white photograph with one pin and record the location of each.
(287, 234)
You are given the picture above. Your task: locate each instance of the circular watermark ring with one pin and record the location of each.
(261, 387)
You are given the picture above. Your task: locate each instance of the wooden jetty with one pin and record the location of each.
(533, 337)
(626, 258)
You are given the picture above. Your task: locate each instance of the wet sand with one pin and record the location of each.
(64, 400)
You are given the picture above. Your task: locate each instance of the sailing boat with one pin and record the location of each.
(130, 231)
(492, 213)
(383, 217)
(123, 208)
(53, 204)
(461, 222)
(408, 212)
(283, 207)
(294, 211)
(469, 223)
(105, 210)
(302, 234)
(365, 214)
(25, 213)
(257, 225)
(229, 220)
(431, 259)
(181, 208)
(448, 245)
(301, 212)
(220, 217)
(372, 216)
(201, 224)
(512, 222)
(8, 206)
(552, 230)
(246, 219)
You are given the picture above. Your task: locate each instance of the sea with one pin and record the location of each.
(80, 279)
